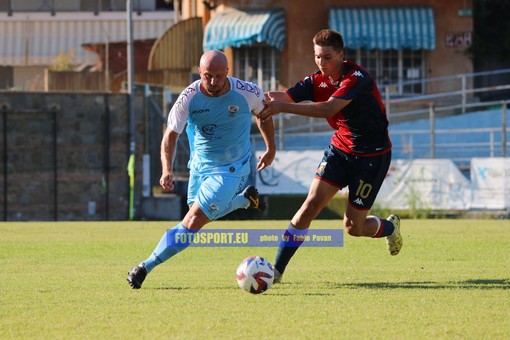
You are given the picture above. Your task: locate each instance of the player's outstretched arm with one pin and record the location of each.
(308, 109)
(168, 147)
(267, 130)
(281, 96)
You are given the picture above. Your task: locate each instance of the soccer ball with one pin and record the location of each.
(255, 275)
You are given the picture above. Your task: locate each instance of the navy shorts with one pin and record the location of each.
(363, 175)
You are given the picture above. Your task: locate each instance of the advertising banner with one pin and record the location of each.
(291, 172)
(435, 184)
(490, 178)
(425, 184)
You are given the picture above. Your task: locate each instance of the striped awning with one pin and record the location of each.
(385, 27)
(239, 28)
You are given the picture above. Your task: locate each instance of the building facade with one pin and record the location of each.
(39, 34)
(402, 43)
(270, 42)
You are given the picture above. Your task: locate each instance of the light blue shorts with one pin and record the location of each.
(214, 193)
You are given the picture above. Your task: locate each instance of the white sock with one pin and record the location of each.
(379, 224)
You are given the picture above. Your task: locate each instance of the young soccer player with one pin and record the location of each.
(359, 155)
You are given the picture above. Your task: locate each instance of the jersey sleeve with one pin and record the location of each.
(303, 90)
(253, 94)
(355, 83)
(258, 100)
(178, 115)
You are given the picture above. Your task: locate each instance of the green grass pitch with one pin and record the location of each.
(67, 280)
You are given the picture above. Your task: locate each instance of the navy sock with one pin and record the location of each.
(291, 240)
(385, 228)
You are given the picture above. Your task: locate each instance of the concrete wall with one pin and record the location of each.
(64, 156)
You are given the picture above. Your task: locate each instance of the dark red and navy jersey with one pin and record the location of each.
(361, 126)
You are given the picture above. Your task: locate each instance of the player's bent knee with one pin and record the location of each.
(195, 221)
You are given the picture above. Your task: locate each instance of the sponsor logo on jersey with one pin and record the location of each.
(209, 129)
(323, 84)
(200, 111)
(358, 74)
(358, 201)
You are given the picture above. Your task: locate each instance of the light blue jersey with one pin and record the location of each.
(219, 133)
(220, 127)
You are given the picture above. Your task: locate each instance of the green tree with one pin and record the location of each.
(64, 61)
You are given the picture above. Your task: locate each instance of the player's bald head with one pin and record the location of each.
(213, 71)
(213, 59)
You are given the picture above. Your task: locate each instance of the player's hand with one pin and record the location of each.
(270, 108)
(167, 181)
(266, 159)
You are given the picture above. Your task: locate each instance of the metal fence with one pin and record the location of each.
(463, 90)
(460, 144)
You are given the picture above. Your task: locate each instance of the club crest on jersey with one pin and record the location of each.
(321, 168)
(213, 207)
(232, 109)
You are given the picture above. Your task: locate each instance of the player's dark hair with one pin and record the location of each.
(329, 38)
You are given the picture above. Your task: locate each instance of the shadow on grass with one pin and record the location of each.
(169, 288)
(467, 284)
